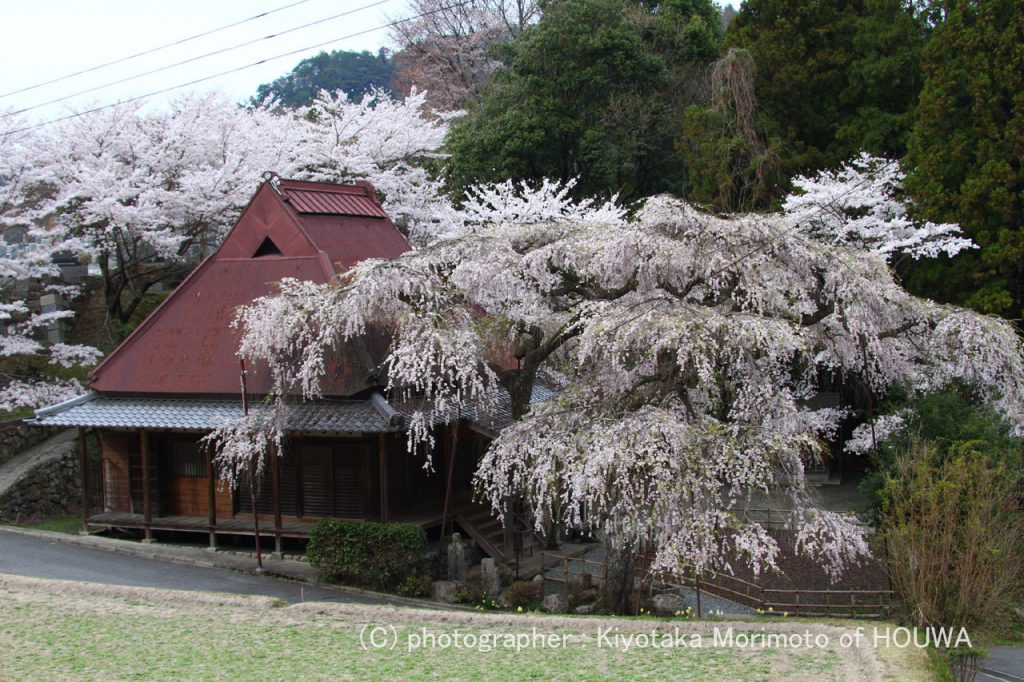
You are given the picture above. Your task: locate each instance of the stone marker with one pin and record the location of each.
(489, 574)
(458, 559)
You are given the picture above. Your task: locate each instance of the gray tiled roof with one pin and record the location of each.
(183, 414)
(490, 419)
(196, 414)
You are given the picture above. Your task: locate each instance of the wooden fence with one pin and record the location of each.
(795, 602)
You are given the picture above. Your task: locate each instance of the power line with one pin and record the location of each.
(194, 59)
(235, 70)
(154, 49)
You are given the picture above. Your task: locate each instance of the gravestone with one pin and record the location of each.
(489, 574)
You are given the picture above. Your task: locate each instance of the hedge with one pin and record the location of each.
(378, 555)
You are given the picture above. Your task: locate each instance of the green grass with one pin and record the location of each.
(88, 637)
(60, 524)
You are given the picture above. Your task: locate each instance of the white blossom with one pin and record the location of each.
(243, 446)
(76, 355)
(19, 393)
(687, 344)
(862, 204)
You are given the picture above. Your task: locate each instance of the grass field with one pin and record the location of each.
(66, 630)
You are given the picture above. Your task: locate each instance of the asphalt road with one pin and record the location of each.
(1003, 664)
(43, 558)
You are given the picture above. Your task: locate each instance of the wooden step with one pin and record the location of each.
(486, 543)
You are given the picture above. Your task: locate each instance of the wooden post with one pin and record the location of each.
(275, 482)
(508, 537)
(147, 510)
(382, 447)
(449, 459)
(252, 477)
(83, 474)
(542, 574)
(211, 497)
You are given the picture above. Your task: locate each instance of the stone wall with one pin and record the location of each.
(42, 482)
(16, 436)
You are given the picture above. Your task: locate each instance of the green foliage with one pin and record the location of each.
(733, 164)
(378, 555)
(594, 90)
(415, 586)
(356, 73)
(120, 331)
(947, 420)
(966, 151)
(834, 77)
(954, 535)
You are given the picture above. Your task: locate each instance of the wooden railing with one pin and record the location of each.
(774, 601)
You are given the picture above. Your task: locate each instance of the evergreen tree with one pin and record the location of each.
(835, 77)
(967, 152)
(354, 73)
(594, 90)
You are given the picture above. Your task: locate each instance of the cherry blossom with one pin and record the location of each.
(861, 204)
(687, 345)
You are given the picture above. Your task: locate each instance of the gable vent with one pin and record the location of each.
(267, 248)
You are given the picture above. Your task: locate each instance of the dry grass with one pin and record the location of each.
(70, 630)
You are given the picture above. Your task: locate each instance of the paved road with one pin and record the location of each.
(1003, 664)
(43, 558)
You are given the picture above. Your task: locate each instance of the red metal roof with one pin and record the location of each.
(328, 199)
(334, 203)
(187, 346)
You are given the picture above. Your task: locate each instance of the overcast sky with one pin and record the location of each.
(41, 40)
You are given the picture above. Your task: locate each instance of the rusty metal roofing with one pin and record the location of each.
(179, 414)
(333, 203)
(187, 346)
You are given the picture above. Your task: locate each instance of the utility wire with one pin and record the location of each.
(194, 59)
(236, 69)
(154, 49)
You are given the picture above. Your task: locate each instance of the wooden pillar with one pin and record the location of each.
(382, 449)
(83, 474)
(211, 497)
(275, 483)
(147, 510)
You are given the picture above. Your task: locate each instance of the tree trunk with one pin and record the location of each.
(519, 384)
(620, 558)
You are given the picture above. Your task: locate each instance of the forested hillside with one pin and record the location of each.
(355, 73)
(632, 98)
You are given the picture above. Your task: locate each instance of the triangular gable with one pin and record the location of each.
(187, 345)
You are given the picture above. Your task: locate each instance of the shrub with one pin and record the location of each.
(943, 419)
(415, 586)
(378, 555)
(524, 593)
(471, 590)
(581, 591)
(954, 534)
